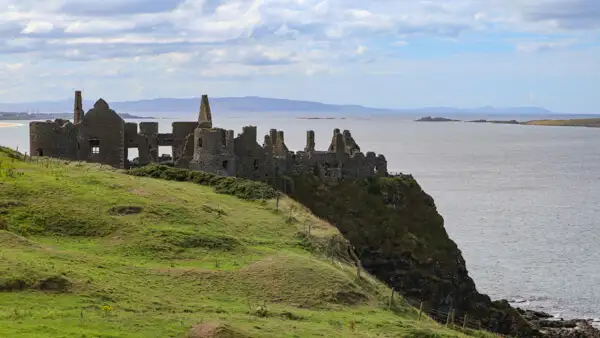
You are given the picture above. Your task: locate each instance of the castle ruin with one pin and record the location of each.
(102, 136)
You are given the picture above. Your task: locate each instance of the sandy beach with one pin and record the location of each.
(9, 125)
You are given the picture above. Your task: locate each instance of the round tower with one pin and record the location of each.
(212, 153)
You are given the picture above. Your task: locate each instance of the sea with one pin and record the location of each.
(521, 202)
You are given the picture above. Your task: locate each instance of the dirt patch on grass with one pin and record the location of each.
(125, 210)
(139, 192)
(215, 330)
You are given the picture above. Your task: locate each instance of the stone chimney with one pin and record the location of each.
(205, 118)
(78, 108)
(310, 141)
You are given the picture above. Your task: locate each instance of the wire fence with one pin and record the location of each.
(344, 254)
(449, 319)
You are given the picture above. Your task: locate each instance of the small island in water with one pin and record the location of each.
(435, 119)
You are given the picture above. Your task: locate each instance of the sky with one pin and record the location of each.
(380, 53)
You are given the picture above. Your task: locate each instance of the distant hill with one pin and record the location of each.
(167, 106)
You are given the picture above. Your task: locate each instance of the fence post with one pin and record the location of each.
(448, 318)
(465, 321)
(391, 298)
(420, 310)
(453, 312)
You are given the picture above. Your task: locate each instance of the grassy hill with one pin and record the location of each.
(88, 251)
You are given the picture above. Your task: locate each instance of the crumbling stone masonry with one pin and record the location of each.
(102, 136)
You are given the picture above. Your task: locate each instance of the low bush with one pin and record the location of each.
(239, 187)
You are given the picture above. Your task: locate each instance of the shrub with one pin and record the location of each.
(239, 187)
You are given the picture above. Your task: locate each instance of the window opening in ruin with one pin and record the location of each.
(326, 169)
(95, 145)
(40, 152)
(255, 164)
(225, 164)
(200, 142)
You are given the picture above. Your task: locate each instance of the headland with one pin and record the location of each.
(591, 123)
(583, 122)
(317, 238)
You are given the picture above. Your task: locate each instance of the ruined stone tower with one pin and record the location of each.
(78, 109)
(205, 118)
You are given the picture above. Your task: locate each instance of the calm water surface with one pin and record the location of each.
(522, 202)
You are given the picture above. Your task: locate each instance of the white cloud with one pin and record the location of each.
(543, 46)
(38, 27)
(361, 50)
(262, 38)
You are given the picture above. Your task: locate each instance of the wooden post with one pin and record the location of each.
(391, 299)
(448, 318)
(453, 311)
(420, 310)
(277, 202)
(465, 321)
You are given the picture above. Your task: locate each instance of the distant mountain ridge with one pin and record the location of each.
(164, 106)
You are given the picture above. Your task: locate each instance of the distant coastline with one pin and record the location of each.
(590, 122)
(22, 116)
(496, 121)
(320, 118)
(2, 125)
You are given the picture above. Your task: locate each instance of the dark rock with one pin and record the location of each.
(555, 328)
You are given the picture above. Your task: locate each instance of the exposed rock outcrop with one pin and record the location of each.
(399, 237)
(555, 328)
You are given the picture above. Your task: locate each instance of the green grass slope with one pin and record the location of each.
(88, 251)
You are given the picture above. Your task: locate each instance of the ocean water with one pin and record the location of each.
(521, 202)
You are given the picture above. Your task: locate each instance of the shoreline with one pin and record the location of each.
(9, 125)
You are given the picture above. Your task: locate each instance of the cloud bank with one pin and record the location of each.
(331, 50)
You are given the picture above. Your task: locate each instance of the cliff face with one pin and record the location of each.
(399, 237)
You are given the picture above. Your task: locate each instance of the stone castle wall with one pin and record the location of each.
(102, 136)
